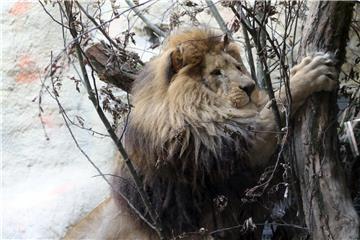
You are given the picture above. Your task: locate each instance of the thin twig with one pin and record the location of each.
(257, 224)
(153, 27)
(248, 47)
(51, 16)
(92, 163)
(127, 117)
(98, 26)
(84, 33)
(218, 18)
(261, 51)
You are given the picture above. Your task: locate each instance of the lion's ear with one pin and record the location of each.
(176, 59)
(173, 64)
(226, 41)
(187, 53)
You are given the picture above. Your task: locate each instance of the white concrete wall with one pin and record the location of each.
(46, 184)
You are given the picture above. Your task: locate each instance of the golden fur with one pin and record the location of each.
(199, 130)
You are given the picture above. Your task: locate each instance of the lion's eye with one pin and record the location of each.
(238, 68)
(216, 72)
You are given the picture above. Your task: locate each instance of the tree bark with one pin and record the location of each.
(326, 202)
(119, 74)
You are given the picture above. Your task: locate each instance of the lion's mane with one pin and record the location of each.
(188, 144)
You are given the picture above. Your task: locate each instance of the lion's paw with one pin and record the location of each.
(318, 72)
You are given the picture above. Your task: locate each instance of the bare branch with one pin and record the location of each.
(50, 15)
(98, 26)
(66, 119)
(248, 46)
(218, 18)
(153, 214)
(153, 27)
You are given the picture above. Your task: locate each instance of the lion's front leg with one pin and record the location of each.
(314, 74)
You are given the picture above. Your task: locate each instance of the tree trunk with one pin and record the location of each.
(326, 202)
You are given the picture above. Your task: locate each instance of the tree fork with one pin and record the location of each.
(326, 202)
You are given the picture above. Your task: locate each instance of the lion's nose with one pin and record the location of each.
(249, 88)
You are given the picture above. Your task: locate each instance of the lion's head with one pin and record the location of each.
(189, 129)
(198, 83)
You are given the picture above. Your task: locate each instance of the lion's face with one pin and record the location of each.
(227, 77)
(202, 62)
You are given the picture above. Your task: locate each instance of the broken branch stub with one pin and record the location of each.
(117, 69)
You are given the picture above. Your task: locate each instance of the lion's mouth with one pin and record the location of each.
(241, 99)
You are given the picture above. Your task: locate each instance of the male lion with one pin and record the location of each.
(198, 134)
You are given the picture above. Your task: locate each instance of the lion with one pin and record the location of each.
(198, 135)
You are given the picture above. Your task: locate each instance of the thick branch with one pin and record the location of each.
(109, 71)
(327, 206)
